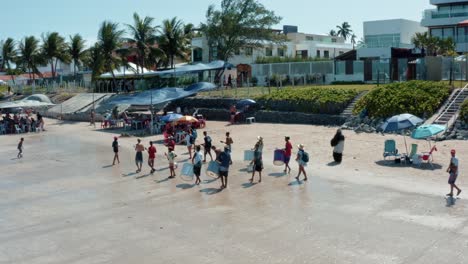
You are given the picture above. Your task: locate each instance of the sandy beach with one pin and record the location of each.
(65, 203)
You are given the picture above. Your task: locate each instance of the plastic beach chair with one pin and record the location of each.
(414, 153)
(390, 149)
(427, 157)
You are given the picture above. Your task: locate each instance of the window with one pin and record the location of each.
(248, 51)
(334, 40)
(197, 54)
(280, 52)
(268, 52)
(301, 54)
(341, 52)
(326, 54)
(318, 54)
(443, 33)
(309, 38)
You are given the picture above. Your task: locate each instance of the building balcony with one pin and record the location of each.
(434, 18)
(443, 2)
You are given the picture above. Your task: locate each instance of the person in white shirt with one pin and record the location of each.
(453, 171)
(197, 162)
(188, 142)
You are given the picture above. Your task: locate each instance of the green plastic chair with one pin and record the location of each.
(390, 149)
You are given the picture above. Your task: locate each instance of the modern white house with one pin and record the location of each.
(297, 45)
(382, 35)
(448, 20)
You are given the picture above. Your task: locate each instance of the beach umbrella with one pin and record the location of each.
(245, 103)
(401, 122)
(171, 117)
(187, 119)
(425, 131)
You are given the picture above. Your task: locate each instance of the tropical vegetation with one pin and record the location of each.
(420, 98)
(434, 45)
(464, 112)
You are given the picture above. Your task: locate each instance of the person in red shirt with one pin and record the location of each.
(152, 156)
(287, 154)
(171, 143)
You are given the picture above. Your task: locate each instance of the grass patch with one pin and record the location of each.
(420, 98)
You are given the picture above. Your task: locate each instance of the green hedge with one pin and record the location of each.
(316, 100)
(464, 111)
(420, 98)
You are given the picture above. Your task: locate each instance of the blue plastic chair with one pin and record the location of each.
(390, 149)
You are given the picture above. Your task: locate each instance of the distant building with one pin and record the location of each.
(448, 20)
(297, 45)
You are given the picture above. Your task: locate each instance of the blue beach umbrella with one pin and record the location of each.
(400, 122)
(171, 117)
(426, 131)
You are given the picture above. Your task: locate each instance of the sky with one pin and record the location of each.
(33, 17)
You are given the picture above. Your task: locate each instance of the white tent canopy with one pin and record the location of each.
(35, 100)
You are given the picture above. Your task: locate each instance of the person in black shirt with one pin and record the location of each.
(207, 146)
(115, 147)
(20, 148)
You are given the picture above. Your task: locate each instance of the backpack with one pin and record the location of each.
(305, 156)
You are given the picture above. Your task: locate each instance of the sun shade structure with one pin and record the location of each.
(186, 119)
(35, 100)
(186, 69)
(399, 122)
(425, 131)
(171, 117)
(158, 96)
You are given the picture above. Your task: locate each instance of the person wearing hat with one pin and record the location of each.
(224, 161)
(259, 145)
(301, 158)
(453, 172)
(115, 148)
(257, 163)
(287, 154)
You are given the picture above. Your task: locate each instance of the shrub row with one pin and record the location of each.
(315, 100)
(420, 98)
(464, 112)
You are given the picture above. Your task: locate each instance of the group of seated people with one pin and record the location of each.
(21, 123)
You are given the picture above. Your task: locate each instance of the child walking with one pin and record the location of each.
(20, 148)
(170, 157)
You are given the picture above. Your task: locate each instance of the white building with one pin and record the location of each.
(382, 35)
(298, 45)
(448, 20)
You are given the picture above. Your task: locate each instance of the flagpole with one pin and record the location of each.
(151, 110)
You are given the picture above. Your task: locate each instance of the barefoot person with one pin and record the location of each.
(287, 154)
(302, 158)
(228, 141)
(257, 163)
(453, 171)
(92, 117)
(188, 142)
(197, 164)
(151, 157)
(207, 146)
(115, 148)
(171, 158)
(139, 148)
(20, 148)
(224, 163)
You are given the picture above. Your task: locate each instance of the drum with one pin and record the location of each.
(187, 172)
(248, 155)
(213, 169)
(278, 157)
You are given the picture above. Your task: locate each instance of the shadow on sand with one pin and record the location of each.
(295, 183)
(142, 176)
(333, 164)
(450, 201)
(424, 166)
(107, 166)
(278, 174)
(163, 180)
(129, 174)
(211, 191)
(185, 186)
(248, 184)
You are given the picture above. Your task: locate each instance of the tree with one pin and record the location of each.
(54, 49)
(77, 51)
(123, 54)
(94, 60)
(30, 55)
(353, 40)
(239, 24)
(175, 39)
(143, 37)
(344, 30)
(432, 45)
(9, 54)
(332, 33)
(109, 40)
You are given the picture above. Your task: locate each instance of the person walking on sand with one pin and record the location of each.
(228, 141)
(152, 156)
(171, 158)
(259, 144)
(287, 154)
(188, 142)
(20, 148)
(92, 117)
(217, 151)
(139, 148)
(302, 158)
(207, 146)
(197, 164)
(115, 148)
(257, 163)
(453, 172)
(337, 143)
(224, 162)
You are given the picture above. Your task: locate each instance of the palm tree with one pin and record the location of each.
(175, 39)
(424, 41)
(353, 40)
(109, 40)
(143, 36)
(332, 33)
(9, 54)
(344, 30)
(123, 54)
(54, 49)
(94, 60)
(76, 50)
(30, 55)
